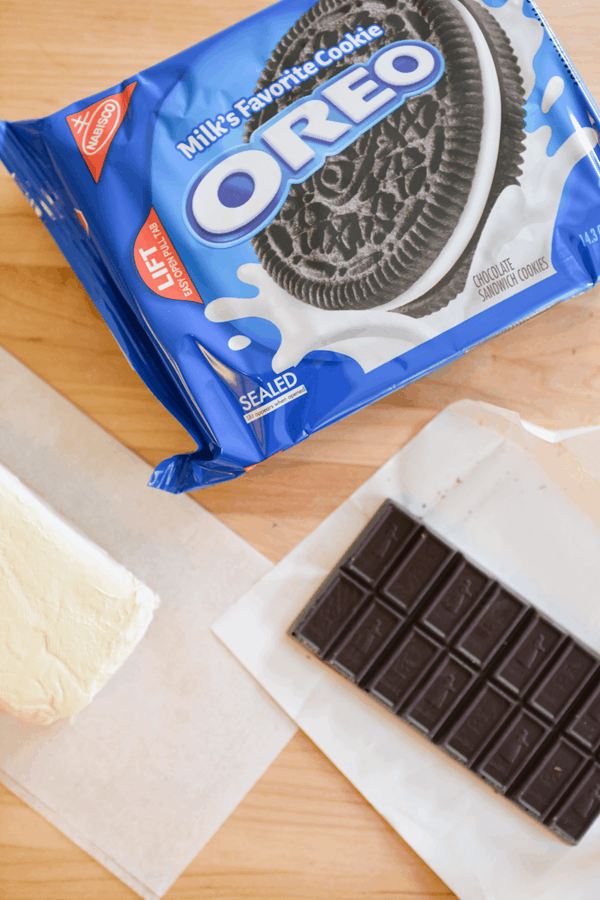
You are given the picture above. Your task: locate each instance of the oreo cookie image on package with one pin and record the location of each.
(398, 213)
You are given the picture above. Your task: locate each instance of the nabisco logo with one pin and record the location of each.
(95, 126)
(100, 127)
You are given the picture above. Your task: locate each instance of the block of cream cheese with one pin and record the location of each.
(70, 615)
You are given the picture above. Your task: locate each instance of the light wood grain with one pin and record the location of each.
(303, 833)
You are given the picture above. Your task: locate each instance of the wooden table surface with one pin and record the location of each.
(303, 831)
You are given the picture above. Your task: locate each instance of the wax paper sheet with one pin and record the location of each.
(144, 776)
(527, 509)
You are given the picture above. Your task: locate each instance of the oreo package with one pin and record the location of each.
(319, 205)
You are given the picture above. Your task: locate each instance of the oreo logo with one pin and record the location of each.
(238, 194)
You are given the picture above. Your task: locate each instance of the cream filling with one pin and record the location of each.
(484, 172)
(69, 614)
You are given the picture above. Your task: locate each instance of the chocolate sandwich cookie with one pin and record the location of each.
(397, 214)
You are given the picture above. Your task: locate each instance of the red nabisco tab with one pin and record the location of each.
(159, 264)
(95, 126)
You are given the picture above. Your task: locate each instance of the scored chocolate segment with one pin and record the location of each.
(417, 571)
(381, 545)
(528, 657)
(467, 663)
(442, 693)
(551, 778)
(405, 669)
(513, 750)
(580, 809)
(564, 681)
(490, 627)
(334, 610)
(364, 642)
(456, 600)
(477, 726)
(585, 726)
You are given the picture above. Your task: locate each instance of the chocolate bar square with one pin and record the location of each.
(475, 728)
(372, 557)
(410, 661)
(528, 657)
(550, 779)
(335, 608)
(466, 662)
(440, 695)
(585, 726)
(374, 629)
(565, 680)
(416, 572)
(581, 807)
(454, 602)
(514, 748)
(491, 625)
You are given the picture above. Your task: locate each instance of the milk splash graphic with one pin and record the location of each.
(520, 227)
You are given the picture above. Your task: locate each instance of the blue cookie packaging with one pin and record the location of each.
(375, 187)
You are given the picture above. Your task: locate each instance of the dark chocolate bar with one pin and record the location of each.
(466, 662)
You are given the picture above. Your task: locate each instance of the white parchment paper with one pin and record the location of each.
(145, 775)
(527, 510)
